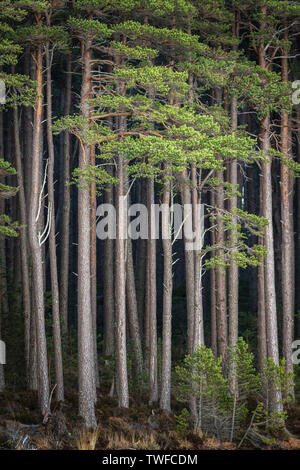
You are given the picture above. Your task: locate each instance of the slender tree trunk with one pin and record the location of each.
(165, 397)
(23, 241)
(33, 378)
(198, 327)
(86, 369)
(93, 196)
(108, 289)
(213, 307)
(133, 319)
(2, 377)
(269, 271)
(2, 258)
(3, 263)
(153, 379)
(233, 271)
(189, 263)
(36, 251)
(120, 290)
(141, 256)
(58, 362)
(287, 247)
(261, 301)
(65, 237)
(29, 71)
(298, 215)
(108, 274)
(261, 320)
(220, 277)
(221, 304)
(147, 306)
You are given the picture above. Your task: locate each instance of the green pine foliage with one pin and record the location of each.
(236, 412)
(7, 227)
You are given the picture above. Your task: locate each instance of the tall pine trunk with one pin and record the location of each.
(151, 298)
(269, 265)
(36, 249)
(287, 248)
(23, 241)
(65, 237)
(120, 290)
(86, 369)
(58, 362)
(189, 262)
(165, 397)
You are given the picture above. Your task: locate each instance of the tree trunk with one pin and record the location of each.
(93, 196)
(269, 270)
(23, 240)
(133, 319)
(298, 216)
(165, 397)
(213, 307)
(58, 362)
(65, 237)
(220, 276)
(198, 306)
(86, 369)
(221, 307)
(36, 251)
(233, 271)
(189, 264)
(108, 288)
(287, 248)
(2, 257)
(153, 379)
(120, 290)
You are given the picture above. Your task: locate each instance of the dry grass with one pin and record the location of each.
(186, 445)
(291, 444)
(118, 441)
(87, 439)
(43, 443)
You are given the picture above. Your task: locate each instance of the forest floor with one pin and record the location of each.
(139, 427)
